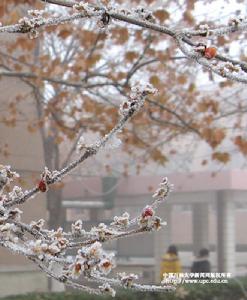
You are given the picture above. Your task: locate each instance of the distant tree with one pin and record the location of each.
(81, 61)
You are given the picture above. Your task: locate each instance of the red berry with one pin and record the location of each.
(147, 212)
(210, 52)
(42, 186)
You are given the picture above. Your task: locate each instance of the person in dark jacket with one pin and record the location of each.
(201, 264)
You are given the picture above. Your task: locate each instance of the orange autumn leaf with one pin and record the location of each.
(213, 136)
(154, 80)
(223, 157)
(182, 79)
(241, 143)
(131, 55)
(162, 15)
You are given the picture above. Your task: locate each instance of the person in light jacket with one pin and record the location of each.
(170, 262)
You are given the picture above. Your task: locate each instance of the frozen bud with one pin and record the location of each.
(2, 208)
(107, 289)
(7, 227)
(145, 220)
(142, 90)
(3, 219)
(3, 178)
(76, 228)
(81, 144)
(46, 178)
(124, 108)
(233, 68)
(47, 175)
(33, 34)
(235, 21)
(83, 7)
(105, 266)
(94, 251)
(200, 48)
(35, 246)
(53, 249)
(58, 234)
(14, 239)
(136, 99)
(122, 220)
(162, 192)
(15, 214)
(157, 223)
(101, 231)
(6, 176)
(105, 19)
(35, 13)
(205, 28)
(16, 193)
(44, 247)
(144, 14)
(77, 268)
(62, 243)
(43, 186)
(127, 279)
(38, 225)
(26, 23)
(147, 212)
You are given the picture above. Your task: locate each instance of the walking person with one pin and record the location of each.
(170, 262)
(202, 264)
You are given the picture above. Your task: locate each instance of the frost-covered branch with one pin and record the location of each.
(144, 19)
(127, 110)
(49, 249)
(226, 69)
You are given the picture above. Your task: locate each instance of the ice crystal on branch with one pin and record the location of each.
(123, 220)
(15, 193)
(6, 176)
(37, 225)
(127, 279)
(143, 13)
(15, 214)
(136, 99)
(107, 289)
(84, 7)
(76, 228)
(32, 22)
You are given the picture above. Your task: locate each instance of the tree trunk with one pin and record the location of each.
(56, 216)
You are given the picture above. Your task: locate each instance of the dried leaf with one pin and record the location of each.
(213, 136)
(154, 80)
(241, 143)
(131, 55)
(162, 15)
(223, 157)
